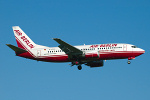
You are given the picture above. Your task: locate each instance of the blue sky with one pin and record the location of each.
(76, 22)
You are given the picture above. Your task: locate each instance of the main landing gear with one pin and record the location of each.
(78, 64)
(79, 67)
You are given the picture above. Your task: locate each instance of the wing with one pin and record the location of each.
(67, 48)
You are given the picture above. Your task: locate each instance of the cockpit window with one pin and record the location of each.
(134, 46)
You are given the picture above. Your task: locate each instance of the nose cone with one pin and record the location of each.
(138, 51)
(142, 51)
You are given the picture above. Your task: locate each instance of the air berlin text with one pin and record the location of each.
(103, 45)
(24, 38)
(18, 32)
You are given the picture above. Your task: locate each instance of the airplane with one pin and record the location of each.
(90, 55)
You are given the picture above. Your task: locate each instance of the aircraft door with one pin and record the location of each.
(98, 52)
(38, 53)
(124, 47)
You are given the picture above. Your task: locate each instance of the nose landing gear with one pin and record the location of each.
(129, 62)
(130, 58)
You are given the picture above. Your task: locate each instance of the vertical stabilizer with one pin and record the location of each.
(23, 41)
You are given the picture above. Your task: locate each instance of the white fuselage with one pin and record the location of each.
(90, 55)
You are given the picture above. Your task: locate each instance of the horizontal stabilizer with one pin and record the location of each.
(16, 49)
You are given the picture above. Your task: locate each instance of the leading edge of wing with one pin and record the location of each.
(67, 48)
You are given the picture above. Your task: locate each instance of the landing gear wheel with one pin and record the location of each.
(129, 62)
(79, 67)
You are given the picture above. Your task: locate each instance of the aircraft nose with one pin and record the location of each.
(142, 51)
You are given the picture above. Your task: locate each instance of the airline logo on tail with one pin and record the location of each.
(24, 39)
(18, 32)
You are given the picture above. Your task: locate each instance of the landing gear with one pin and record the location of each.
(78, 64)
(129, 62)
(79, 67)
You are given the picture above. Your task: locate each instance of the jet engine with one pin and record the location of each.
(99, 63)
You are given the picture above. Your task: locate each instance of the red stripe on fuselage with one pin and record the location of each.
(102, 56)
(119, 54)
(54, 58)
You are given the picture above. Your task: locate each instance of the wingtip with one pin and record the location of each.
(55, 38)
(7, 44)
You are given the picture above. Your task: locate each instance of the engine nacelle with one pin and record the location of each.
(99, 63)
